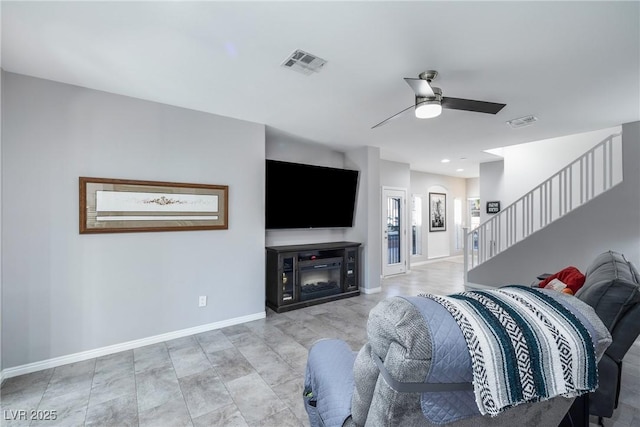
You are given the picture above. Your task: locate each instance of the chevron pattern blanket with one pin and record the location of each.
(525, 346)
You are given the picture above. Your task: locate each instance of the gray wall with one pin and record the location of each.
(368, 214)
(610, 221)
(0, 206)
(64, 292)
(289, 148)
(1, 200)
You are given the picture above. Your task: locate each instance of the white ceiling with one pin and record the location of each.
(574, 65)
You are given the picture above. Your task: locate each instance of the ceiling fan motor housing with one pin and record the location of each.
(437, 92)
(428, 75)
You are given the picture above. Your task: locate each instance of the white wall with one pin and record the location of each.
(473, 188)
(525, 166)
(395, 174)
(66, 293)
(491, 186)
(437, 244)
(528, 165)
(611, 221)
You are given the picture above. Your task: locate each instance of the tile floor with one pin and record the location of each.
(243, 375)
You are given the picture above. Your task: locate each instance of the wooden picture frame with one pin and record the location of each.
(437, 212)
(124, 206)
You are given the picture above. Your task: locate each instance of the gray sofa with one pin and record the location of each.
(612, 288)
(342, 389)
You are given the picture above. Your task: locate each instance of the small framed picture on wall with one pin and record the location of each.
(437, 212)
(493, 207)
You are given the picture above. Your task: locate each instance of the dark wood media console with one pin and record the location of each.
(303, 275)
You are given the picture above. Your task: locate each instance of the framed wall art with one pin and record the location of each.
(493, 207)
(437, 212)
(120, 206)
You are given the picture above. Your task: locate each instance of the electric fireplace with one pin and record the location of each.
(303, 275)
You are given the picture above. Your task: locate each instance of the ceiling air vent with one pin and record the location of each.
(522, 122)
(304, 62)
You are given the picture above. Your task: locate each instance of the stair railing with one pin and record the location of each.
(590, 175)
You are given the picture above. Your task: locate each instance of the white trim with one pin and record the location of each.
(435, 259)
(402, 266)
(371, 290)
(419, 263)
(103, 351)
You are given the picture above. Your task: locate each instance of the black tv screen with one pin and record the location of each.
(306, 196)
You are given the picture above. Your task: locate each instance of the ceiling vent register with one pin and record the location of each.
(522, 121)
(304, 62)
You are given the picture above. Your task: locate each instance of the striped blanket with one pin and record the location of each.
(525, 346)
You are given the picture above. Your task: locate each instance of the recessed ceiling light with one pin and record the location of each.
(445, 161)
(459, 170)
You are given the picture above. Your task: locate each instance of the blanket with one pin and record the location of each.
(524, 345)
(328, 383)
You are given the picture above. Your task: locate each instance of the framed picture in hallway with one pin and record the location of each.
(437, 212)
(119, 206)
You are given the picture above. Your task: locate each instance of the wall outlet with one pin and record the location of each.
(202, 301)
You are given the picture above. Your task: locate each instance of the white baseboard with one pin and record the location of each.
(371, 290)
(435, 259)
(129, 345)
(418, 263)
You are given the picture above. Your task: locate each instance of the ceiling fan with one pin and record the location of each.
(430, 102)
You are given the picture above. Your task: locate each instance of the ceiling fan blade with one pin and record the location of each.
(471, 105)
(392, 117)
(420, 87)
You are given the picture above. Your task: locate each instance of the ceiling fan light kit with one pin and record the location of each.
(429, 101)
(428, 107)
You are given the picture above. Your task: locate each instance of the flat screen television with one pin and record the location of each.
(306, 196)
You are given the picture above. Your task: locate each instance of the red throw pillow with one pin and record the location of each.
(570, 276)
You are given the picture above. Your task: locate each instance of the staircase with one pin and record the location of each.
(587, 177)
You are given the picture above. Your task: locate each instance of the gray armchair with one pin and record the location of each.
(342, 389)
(612, 288)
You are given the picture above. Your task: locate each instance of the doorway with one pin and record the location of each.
(394, 231)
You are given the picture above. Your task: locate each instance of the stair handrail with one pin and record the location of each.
(475, 239)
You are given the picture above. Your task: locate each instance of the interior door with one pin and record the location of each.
(394, 231)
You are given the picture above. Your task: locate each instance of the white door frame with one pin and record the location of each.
(401, 266)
